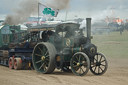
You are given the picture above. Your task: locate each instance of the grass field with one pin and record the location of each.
(112, 44)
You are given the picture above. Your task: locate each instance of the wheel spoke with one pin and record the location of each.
(39, 61)
(46, 63)
(46, 53)
(47, 59)
(82, 59)
(44, 67)
(92, 66)
(97, 57)
(84, 64)
(47, 56)
(43, 48)
(103, 65)
(95, 69)
(102, 61)
(38, 54)
(98, 69)
(101, 68)
(82, 70)
(40, 49)
(41, 66)
(96, 60)
(79, 58)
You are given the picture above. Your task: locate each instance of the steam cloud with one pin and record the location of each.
(26, 8)
(29, 7)
(58, 4)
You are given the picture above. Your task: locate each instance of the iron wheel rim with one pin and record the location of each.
(40, 53)
(43, 57)
(80, 64)
(99, 65)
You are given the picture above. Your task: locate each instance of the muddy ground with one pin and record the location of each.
(117, 74)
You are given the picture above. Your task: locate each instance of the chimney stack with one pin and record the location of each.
(88, 25)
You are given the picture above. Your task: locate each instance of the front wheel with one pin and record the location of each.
(80, 64)
(99, 65)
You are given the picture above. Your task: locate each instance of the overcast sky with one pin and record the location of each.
(96, 9)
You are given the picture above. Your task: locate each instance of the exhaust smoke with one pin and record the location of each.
(25, 10)
(58, 4)
(30, 7)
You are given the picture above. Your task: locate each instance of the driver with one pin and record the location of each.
(69, 32)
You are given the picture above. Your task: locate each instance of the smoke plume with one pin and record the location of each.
(26, 9)
(58, 4)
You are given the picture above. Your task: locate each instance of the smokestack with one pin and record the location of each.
(88, 25)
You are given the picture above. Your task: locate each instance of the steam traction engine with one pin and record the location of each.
(65, 47)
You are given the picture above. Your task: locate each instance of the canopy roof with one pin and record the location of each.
(58, 27)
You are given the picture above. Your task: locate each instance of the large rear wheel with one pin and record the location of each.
(80, 64)
(43, 57)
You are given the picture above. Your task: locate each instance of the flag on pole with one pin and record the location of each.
(47, 11)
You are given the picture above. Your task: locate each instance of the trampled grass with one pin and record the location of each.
(112, 44)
